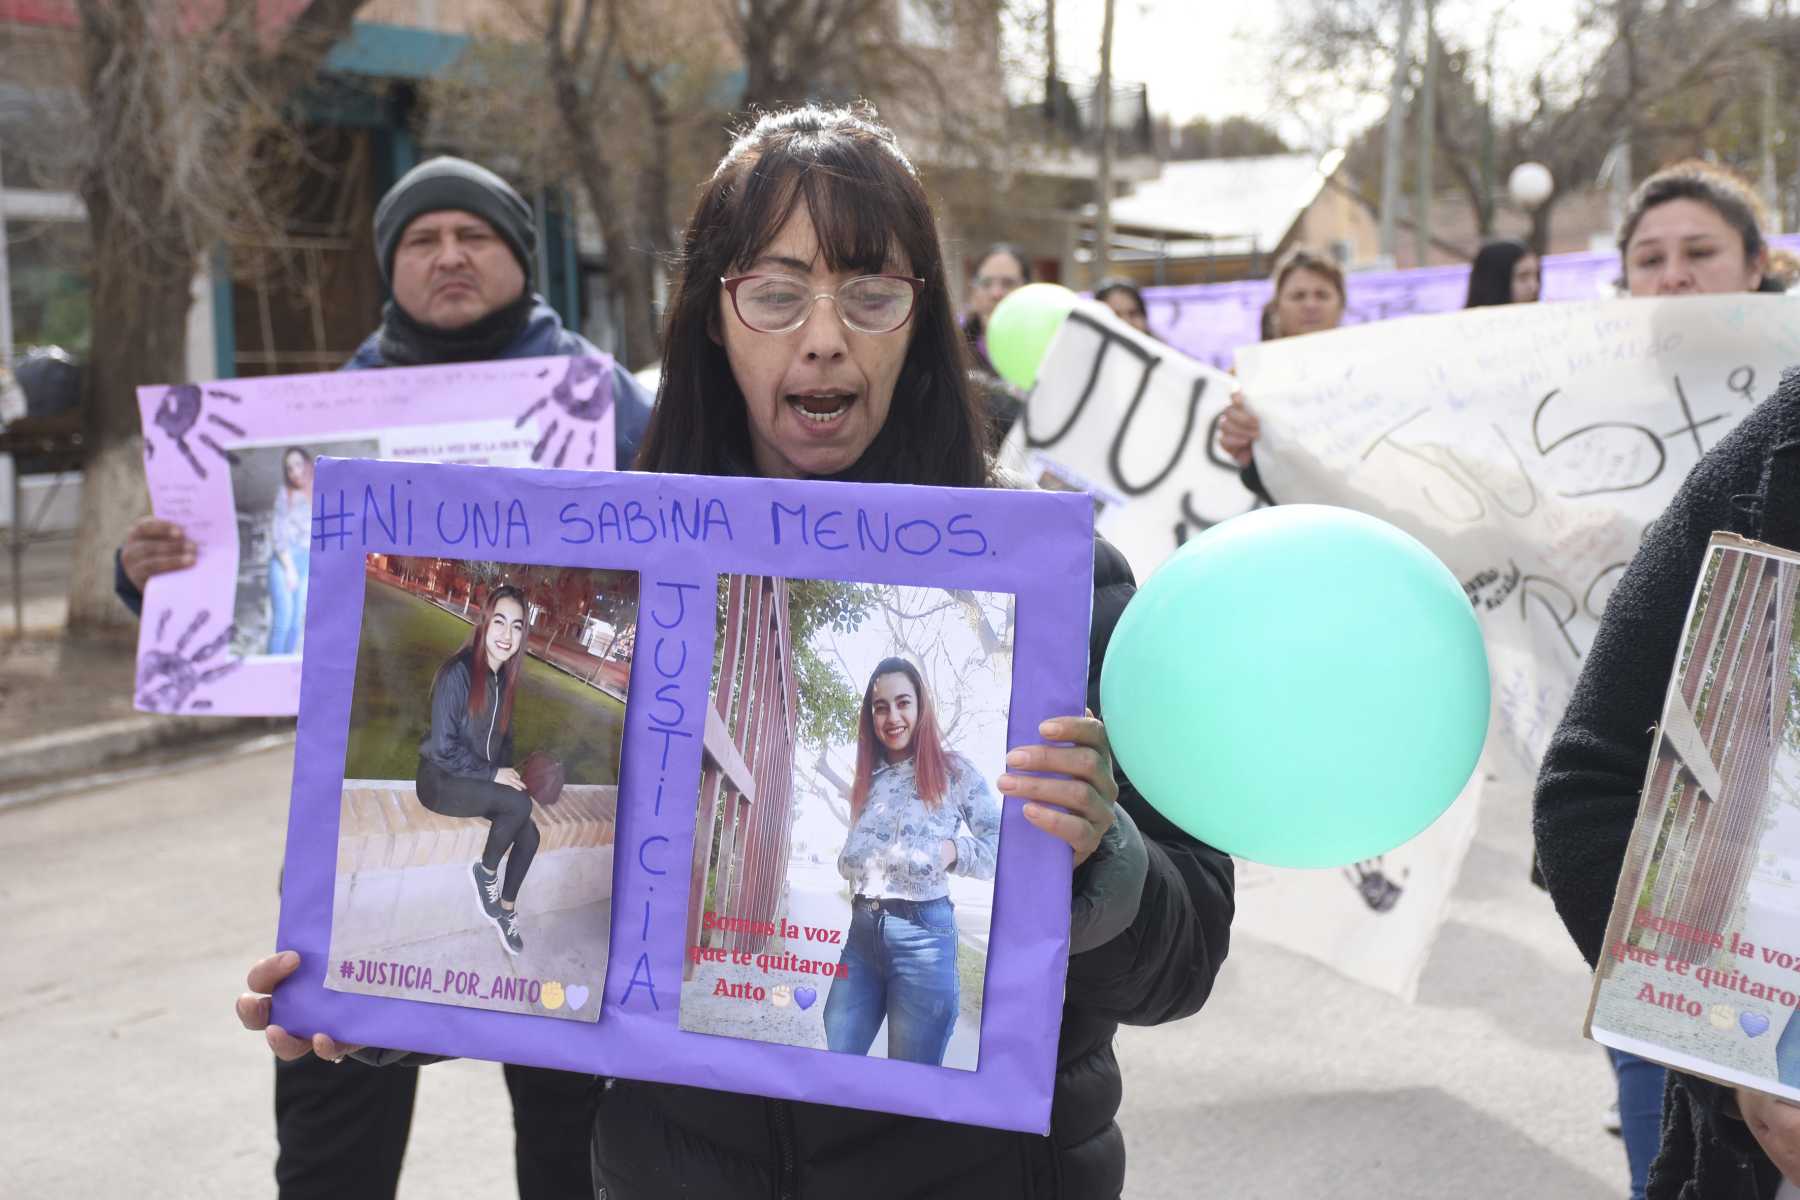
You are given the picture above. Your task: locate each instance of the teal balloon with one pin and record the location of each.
(1021, 328)
(1301, 686)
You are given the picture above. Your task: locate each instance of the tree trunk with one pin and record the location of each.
(143, 325)
(1103, 183)
(627, 265)
(655, 197)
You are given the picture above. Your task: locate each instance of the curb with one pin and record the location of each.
(204, 754)
(90, 747)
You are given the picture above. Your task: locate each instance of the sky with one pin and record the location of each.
(1211, 58)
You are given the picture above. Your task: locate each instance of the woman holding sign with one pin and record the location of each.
(1691, 229)
(1309, 298)
(910, 804)
(812, 336)
(465, 761)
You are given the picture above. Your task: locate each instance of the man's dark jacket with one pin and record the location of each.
(1588, 787)
(657, 1140)
(543, 336)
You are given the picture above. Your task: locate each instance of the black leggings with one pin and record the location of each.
(508, 809)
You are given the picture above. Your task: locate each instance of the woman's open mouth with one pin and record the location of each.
(821, 407)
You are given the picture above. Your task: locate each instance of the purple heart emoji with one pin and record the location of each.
(804, 997)
(1753, 1023)
(576, 995)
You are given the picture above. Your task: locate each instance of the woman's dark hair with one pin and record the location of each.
(868, 207)
(1718, 188)
(1013, 252)
(931, 768)
(1266, 321)
(306, 460)
(1490, 276)
(478, 663)
(1318, 264)
(1115, 284)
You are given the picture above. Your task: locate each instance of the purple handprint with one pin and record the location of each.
(1370, 879)
(584, 395)
(181, 410)
(167, 678)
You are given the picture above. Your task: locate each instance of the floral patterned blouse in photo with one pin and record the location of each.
(893, 849)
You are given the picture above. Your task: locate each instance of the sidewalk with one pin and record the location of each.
(66, 706)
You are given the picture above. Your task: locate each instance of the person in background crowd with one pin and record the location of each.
(1001, 270)
(1690, 229)
(766, 381)
(454, 242)
(1309, 298)
(1309, 295)
(1127, 303)
(1505, 271)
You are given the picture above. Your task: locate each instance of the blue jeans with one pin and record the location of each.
(1640, 1113)
(900, 963)
(287, 605)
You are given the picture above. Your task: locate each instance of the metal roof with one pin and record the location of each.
(1255, 200)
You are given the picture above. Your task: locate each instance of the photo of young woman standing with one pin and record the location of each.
(919, 813)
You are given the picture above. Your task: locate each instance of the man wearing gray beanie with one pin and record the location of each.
(454, 243)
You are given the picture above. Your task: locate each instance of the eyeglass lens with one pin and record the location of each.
(871, 303)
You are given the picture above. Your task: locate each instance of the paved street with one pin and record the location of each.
(132, 911)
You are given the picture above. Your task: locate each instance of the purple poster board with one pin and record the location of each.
(680, 534)
(1210, 321)
(221, 460)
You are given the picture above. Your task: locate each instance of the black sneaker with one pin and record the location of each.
(506, 924)
(487, 889)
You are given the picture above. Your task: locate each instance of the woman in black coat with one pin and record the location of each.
(1689, 230)
(762, 379)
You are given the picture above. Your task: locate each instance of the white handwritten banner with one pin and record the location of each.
(1212, 321)
(1528, 446)
(1125, 418)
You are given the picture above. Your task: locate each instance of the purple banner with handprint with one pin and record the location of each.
(1211, 322)
(231, 463)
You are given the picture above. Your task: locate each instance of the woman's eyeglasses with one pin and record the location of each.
(781, 303)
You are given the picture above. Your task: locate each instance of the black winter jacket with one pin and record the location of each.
(1588, 787)
(656, 1140)
(457, 743)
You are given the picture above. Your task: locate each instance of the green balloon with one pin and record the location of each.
(1301, 686)
(1021, 328)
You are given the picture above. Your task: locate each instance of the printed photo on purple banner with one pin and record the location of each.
(271, 490)
(1699, 966)
(848, 824)
(232, 465)
(481, 782)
